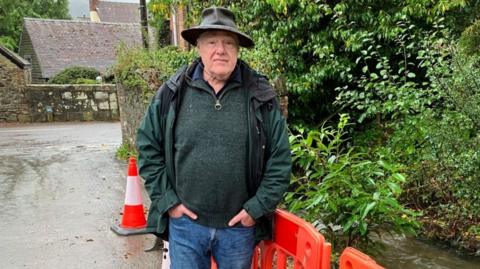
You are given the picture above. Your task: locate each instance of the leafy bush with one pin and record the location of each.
(138, 68)
(441, 150)
(372, 53)
(75, 74)
(461, 85)
(470, 39)
(261, 59)
(8, 42)
(346, 194)
(394, 81)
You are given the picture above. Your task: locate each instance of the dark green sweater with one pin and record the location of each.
(211, 152)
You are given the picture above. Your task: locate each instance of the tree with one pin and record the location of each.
(13, 12)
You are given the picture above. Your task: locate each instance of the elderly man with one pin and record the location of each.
(214, 152)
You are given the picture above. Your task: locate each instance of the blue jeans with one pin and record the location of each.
(191, 245)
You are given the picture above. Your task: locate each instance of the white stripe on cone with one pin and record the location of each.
(134, 194)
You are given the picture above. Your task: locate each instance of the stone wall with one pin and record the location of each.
(13, 103)
(132, 104)
(50, 102)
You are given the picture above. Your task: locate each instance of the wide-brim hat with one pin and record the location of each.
(217, 18)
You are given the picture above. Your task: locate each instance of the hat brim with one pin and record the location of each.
(192, 34)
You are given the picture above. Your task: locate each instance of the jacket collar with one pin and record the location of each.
(258, 84)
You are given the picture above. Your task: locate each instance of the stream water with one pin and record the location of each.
(410, 253)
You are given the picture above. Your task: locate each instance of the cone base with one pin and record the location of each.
(116, 228)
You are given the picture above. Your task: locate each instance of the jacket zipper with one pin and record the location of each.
(218, 105)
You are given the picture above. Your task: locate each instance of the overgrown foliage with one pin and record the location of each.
(75, 75)
(365, 50)
(441, 147)
(470, 40)
(13, 12)
(138, 68)
(345, 193)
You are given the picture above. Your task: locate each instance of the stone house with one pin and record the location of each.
(14, 76)
(53, 45)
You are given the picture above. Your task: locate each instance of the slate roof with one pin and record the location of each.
(62, 43)
(13, 57)
(118, 12)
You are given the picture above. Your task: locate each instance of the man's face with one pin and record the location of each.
(219, 51)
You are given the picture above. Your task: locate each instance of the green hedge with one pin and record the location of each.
(139, 68)
(76, 75)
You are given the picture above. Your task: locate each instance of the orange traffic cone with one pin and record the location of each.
(133, 219)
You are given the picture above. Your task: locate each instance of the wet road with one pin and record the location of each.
(60, 190)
